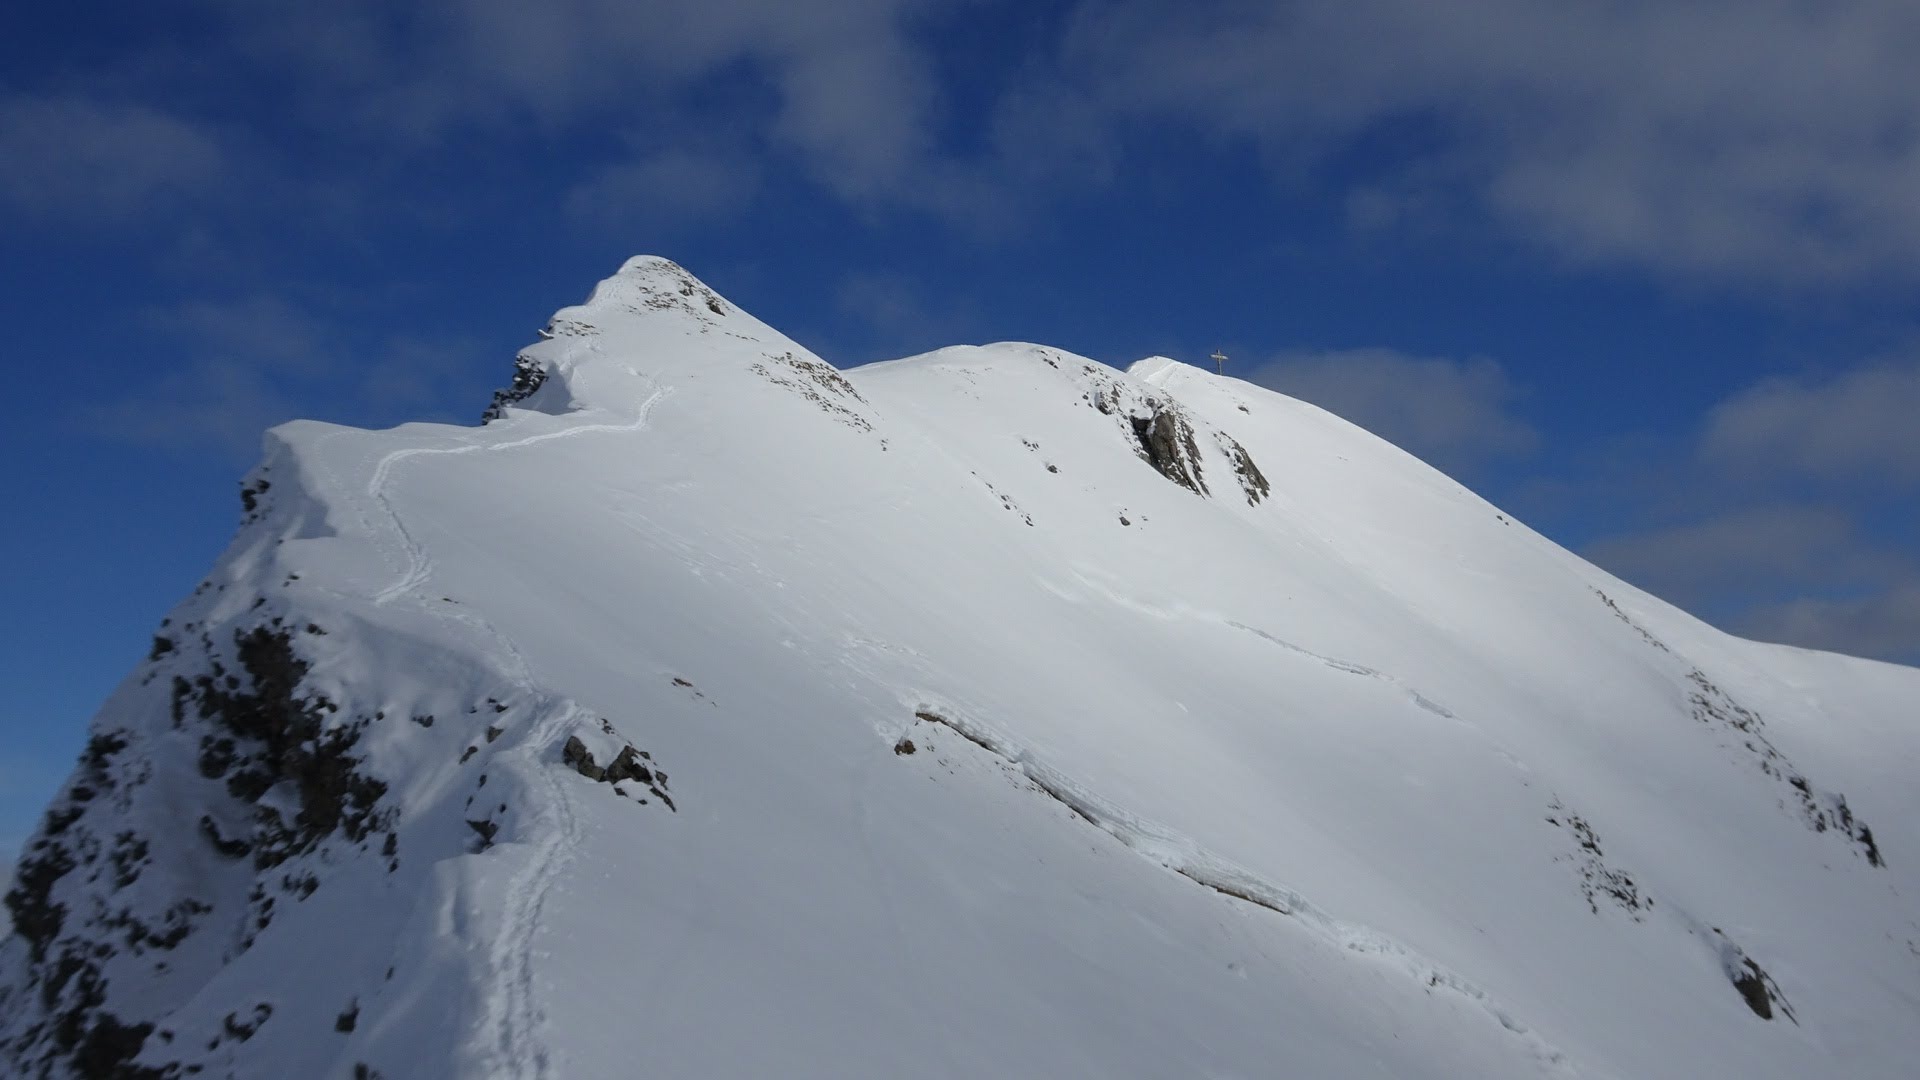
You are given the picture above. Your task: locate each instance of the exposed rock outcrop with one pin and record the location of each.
(529, 375)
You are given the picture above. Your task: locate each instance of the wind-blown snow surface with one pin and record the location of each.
(987, 713)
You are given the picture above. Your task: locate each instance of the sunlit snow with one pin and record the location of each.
(986, 713)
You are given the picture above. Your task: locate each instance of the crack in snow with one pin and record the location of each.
(1182, 855)
(1419, 700)
(1180, 611)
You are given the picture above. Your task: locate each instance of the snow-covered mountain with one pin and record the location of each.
(710, 712)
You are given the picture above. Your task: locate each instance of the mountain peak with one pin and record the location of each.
(649, 284)
(585, 356)
(1001, 692)
(1154, 369)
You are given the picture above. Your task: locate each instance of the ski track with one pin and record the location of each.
(511, 1009)
(1180, 854)
(419, 563)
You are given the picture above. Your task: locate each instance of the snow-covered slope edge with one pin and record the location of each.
(1022, 716)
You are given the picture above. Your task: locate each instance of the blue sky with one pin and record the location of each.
(1644, 273)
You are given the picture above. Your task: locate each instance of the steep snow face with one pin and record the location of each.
(711, 712)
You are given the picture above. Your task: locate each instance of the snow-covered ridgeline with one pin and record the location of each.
(1144, 632)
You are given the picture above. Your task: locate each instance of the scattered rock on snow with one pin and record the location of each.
(629, 763)
(1597, 879)
(1754, 985)
(1252, 481)
(485, 830)
(1742, 730)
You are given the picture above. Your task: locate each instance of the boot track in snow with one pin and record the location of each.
(513, 1019)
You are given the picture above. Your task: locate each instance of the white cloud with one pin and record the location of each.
(218, 404)
(677, 183)
(1758, 140)
(260, 331)
(1885, 624)
(1749, 549)
(1753, 139)
(1861, 426)
(1452, 413)
(249, 363)
(845, 86)
(70, 157)
(1840, 575)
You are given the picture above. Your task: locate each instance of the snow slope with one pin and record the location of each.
(710, 712)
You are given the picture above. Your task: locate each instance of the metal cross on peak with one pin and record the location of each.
(1219, 361)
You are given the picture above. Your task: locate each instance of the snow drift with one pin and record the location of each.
(713, 712)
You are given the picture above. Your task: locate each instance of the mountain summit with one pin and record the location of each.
(712, 712)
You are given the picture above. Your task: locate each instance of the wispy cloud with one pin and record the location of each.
(850, 97)
(1749, 141)
(897, 315)
(76, 159)
(1862, 426)
(674, 184)
(1782, 518)
(256, 361)
(1767, 141)
(1883, 624)
(217, 405)
(1748, 549)
(266, 332)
